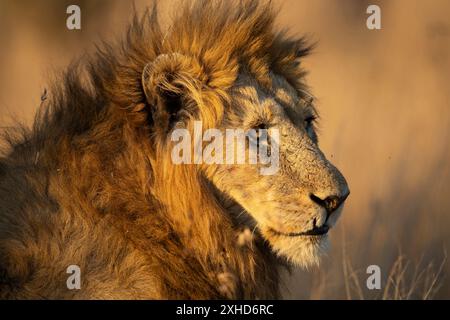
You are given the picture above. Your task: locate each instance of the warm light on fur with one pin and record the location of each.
(92, 183)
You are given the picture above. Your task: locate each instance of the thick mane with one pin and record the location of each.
(92, 155)
(223, 35)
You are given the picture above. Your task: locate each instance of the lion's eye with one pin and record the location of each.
(260, 126)
(261, 139)
(309, 121)
(261, 133)
(261, 130)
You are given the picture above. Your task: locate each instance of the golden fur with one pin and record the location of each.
(92, 183)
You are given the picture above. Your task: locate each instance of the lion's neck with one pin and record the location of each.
(195, 245)
(228, 258)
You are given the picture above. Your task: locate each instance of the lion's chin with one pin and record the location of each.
(301, 251)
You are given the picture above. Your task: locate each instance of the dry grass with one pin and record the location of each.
(405, 280)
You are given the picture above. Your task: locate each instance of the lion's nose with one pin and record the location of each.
(330, 203)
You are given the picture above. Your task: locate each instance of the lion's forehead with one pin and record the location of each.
(252, 97)
(249, 87)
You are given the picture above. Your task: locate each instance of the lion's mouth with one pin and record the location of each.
(316, 231)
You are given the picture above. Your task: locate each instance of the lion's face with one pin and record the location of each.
(294, 207)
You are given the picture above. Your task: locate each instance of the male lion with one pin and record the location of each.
(93, 185)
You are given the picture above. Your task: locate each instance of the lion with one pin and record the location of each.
(92, 187)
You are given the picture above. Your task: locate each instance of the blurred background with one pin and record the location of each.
(384, 100)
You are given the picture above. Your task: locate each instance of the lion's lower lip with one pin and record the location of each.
(316, 231)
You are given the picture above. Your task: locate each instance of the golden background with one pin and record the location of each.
(384, 100)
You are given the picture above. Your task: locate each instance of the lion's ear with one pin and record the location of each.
(169, 81)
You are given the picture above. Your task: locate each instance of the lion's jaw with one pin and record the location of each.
(300, 250)
(287, 242)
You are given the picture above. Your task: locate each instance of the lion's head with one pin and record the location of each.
(243, 75)
(295, 206)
